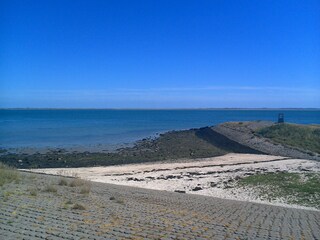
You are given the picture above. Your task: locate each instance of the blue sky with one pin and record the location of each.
(159, 54)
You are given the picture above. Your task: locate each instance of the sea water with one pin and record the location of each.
(67, 128)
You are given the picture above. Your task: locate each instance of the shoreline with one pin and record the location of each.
(95, 148)
(195, 143)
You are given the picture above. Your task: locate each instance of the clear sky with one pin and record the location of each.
(159, 53)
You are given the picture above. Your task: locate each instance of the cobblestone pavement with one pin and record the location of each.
(39, 208)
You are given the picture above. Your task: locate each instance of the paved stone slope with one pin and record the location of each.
(120, 212)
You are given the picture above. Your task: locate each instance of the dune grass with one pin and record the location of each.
(296, 188)
(63, 182)
(50, 188)
(8, 175)
(306, 137)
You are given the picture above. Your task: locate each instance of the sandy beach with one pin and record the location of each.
(214, 176)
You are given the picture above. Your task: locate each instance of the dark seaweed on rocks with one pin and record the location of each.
(170, 146)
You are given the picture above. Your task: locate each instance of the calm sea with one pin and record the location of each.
(67, 128)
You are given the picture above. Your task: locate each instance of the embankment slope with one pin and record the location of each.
(286, 142)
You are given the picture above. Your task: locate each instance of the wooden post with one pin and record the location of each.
(280, 118)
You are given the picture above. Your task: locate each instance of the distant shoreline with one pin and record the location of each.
(168, 109)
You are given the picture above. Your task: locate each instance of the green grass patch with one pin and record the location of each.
(305, 137)
(295, 188)
(8, 175)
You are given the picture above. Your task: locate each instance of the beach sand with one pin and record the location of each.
(207, 176)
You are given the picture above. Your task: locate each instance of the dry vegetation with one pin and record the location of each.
(78, 206)
(8, 175)
(50, 187)
(62, 188)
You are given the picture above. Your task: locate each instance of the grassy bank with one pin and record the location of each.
(294, 188)
(305, 137)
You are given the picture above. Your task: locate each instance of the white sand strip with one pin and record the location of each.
(209, 176)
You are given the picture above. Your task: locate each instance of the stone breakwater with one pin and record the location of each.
(121, 212)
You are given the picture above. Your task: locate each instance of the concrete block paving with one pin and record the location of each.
(121, 212)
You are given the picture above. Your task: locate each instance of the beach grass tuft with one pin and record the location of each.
(63, 182)
(8, 174)
(33, 192)
(85, 189)
(78, 206)
(50, 188)
(77, 182)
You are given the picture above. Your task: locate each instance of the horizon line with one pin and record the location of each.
(200, 108)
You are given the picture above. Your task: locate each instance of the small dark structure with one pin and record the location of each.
(280, 118)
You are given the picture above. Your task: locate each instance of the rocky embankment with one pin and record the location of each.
(245, 133)
(233, 137)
